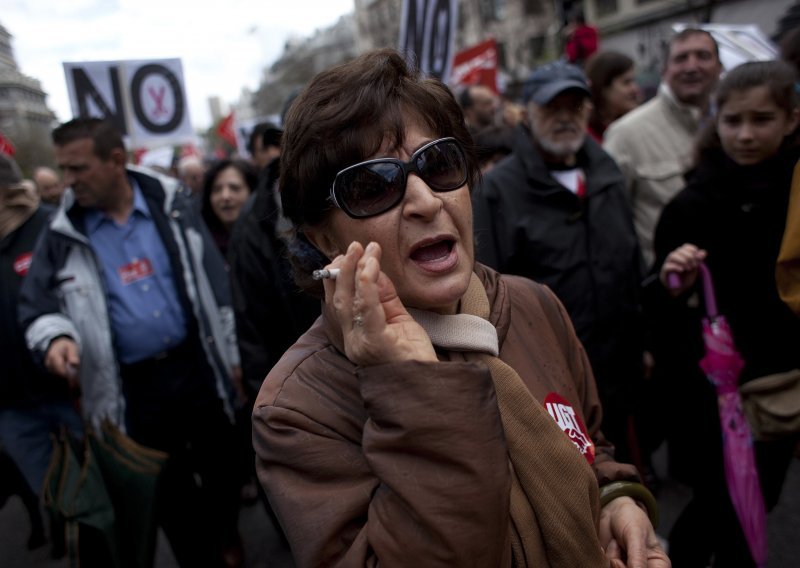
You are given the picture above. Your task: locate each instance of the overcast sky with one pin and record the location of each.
(223, 45)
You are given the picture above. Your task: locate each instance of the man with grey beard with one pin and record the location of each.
(555, 211)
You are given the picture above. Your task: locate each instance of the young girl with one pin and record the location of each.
(731, 216)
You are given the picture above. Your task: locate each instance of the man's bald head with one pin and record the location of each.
(48, 184)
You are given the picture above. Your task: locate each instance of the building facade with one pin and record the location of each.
(302, 58)
(642, 28)
(25, 118)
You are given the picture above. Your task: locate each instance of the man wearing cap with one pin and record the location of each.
(555, 211)
(33, 403)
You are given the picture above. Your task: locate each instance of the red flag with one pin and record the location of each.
(476, 65)
(225, 130)
(6, 147)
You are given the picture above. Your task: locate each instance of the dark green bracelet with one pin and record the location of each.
(635, 491)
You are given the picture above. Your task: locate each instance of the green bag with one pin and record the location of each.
(103, 492)
(76, 497)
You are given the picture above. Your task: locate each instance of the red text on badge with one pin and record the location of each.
(135, 271)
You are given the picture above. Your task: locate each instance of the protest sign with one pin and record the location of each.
(428, 35)
(145, 99)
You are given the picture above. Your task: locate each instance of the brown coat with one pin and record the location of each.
(407, 463)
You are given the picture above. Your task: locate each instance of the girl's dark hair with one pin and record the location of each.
(250, 176)
(601, 71)
(777, 76)
(344, 116)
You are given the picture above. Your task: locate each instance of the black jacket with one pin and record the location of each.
(271, 312)
(738, 215)
(585, 250)
(21, 380)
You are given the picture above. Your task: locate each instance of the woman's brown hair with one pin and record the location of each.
(601, 71)
(345, 116)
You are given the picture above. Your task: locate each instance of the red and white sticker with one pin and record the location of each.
(134, 271)
(572, 425)
(22, 263)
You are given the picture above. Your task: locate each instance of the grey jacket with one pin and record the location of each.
(64, 295)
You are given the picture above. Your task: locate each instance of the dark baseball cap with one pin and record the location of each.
(553, 79)
(10, 174)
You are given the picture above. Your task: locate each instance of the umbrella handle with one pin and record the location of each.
(708, 291)
(674, 282)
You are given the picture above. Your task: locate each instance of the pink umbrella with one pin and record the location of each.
(722, 365)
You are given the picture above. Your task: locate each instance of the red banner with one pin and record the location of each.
(476, 65)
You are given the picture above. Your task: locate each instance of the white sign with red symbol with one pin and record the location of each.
(572, 425)
(134, 271)
(144, 99)
(22, 263)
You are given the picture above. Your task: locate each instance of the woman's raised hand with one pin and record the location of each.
(683, 262)
(375, 325)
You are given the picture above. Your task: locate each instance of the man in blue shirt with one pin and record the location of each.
(127, 298)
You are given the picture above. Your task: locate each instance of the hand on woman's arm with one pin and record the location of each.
(375, 325)
(628, 536)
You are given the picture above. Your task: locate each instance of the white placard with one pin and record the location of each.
(145, 99)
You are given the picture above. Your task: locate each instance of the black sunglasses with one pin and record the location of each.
(375, 186)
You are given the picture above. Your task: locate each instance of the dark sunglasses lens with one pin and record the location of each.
(371, 189)
(442, 166)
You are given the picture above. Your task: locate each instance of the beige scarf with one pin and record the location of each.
(555, 501)
(17, 204)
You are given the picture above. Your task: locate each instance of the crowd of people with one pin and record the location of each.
(509, 324)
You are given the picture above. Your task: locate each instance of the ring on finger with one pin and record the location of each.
(358, 320)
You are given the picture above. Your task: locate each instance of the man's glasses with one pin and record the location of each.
(375, 186)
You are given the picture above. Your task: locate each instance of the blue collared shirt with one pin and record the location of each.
(146, 313)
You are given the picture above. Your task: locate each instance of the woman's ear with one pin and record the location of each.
(320, 237)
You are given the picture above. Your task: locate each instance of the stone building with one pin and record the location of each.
(642, 28)
(303, 58)
(25, 118)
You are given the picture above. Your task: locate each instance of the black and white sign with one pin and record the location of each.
(428, 34)
(146, 99)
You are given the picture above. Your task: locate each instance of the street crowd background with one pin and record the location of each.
(194, 341)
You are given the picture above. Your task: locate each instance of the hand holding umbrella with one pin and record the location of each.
(722, 364)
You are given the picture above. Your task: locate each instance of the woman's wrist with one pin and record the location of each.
(635, 491)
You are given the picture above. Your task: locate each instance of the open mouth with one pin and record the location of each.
(433, 252)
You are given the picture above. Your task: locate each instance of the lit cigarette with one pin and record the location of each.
(331, 273)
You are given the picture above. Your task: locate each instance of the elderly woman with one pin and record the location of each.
(437, 413)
